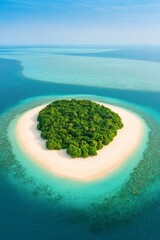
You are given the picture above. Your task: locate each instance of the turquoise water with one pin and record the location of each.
(75, 193)
(57, 65)
(35, 205)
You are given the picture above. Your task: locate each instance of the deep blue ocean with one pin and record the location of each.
(30, 209)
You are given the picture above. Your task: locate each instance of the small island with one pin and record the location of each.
(59, 163)
(82, 127)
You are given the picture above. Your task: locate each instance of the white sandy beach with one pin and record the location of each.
(59, 163)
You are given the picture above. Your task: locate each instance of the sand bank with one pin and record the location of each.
(59, 163)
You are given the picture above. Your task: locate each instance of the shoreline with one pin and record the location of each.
(59, 163)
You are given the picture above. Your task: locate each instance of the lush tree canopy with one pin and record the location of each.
(80, 126)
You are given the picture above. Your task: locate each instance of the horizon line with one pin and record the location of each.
(79, 45)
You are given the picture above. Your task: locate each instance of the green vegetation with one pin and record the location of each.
(80, 126)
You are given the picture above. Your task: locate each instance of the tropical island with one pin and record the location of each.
(58, 162)
(81, 126)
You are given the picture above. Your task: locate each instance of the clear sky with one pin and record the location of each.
(79, 22)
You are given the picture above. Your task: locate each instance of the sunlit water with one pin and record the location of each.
(63, 66)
